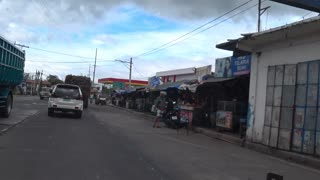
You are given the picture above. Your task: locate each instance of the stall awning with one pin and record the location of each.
(173, 85)
(214, 80)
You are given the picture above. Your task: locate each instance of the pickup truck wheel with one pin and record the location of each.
(41, 98)
(8, 108)
(50, 112)
(78, 114)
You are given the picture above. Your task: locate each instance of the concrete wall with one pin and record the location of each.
(288, 51)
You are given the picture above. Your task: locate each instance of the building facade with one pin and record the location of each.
(177, 75)
(284, 97)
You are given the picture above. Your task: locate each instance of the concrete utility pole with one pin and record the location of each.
(94, 67)
(260, 13)
(130, 70)
(89, 71)
(130, 73)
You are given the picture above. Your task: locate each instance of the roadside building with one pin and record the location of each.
(284, 98)
(177, 75)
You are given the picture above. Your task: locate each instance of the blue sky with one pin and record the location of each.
(125, 29)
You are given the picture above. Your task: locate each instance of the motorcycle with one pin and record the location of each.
(171, 118)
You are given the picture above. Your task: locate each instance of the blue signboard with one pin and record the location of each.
(312, 5)
(155, 81)
(240, 65)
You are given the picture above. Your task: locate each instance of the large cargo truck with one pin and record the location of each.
(85, 85)
(11, 74)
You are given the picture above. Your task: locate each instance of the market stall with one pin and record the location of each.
(223, 102)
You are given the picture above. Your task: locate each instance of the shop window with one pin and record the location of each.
(313, 71)
(308, 142)
(290, 75)
(312, 95)
(268, 116)
(286, 118)
(318, 143)
(297, 140)
(284, 138)
(301, 95)
(275, 117)
(279, 76)
(271, 74)
(269, 97)
(302, 73)
(310, 119)
(288, 96)
(299, 118)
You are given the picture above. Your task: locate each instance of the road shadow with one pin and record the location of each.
(60, 115)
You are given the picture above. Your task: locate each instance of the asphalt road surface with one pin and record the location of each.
(110, 143)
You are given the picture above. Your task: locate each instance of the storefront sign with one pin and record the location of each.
(223, 67)
(241, 65)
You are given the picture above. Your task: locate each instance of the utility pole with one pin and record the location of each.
(130, 73)
(94, 67)
(89, 71)
(260, 12)
(259, 16)
(40, 83)
(130, 69)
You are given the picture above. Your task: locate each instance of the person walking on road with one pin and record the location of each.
(160, 107)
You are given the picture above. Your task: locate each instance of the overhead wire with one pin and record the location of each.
(230, 17)
(190, 32)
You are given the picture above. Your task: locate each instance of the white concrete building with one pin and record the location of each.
(191, 73)
(284, 97)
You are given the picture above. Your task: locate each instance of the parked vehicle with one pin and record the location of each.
(11, 74)
(102, 99)
(44, 93)
(66, 98)
(84, 83)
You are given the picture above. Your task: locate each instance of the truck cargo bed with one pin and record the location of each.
(11, 63)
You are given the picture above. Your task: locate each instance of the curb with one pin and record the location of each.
(220, 136)
(300, 159)
(132, 111)
(3, 131)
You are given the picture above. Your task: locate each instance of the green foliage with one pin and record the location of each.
(53, 79)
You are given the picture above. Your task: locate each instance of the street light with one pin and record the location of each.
(130, 69)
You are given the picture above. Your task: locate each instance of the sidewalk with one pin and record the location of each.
(301, 159)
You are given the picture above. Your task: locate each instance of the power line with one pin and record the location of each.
(66, 54)
(163, 45)
(160, 49)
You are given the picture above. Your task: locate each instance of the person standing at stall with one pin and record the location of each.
(160, 104)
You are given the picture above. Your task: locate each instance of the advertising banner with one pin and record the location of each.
(241, 65)
(223, 67)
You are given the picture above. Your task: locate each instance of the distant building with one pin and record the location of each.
(122, 83)
(191, 73)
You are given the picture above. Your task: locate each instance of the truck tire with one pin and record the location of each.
(8, 107)
(78, 114)
(50, 112)
(85, 103)
(41, 98)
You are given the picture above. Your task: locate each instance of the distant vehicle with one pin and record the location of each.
(44, 92)
(66, 98)
(84, 83)
(102, 99)
(11, 74)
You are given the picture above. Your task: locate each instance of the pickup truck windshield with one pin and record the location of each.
(69, 92)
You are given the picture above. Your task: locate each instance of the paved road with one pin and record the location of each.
(108, 143)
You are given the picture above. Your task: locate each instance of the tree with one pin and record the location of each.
(53, 79)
